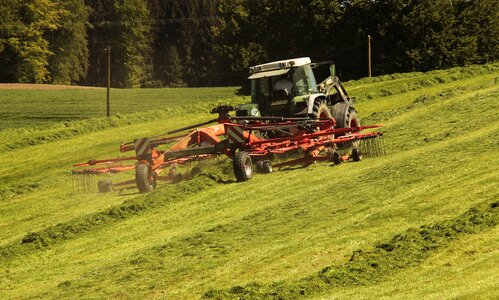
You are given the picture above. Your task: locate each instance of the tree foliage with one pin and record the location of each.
(68, 43)
(25, 48)
(212, 42)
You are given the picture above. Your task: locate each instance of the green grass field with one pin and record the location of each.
(31, 107)
(420, 222)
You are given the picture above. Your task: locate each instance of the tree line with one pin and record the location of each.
(212, 42)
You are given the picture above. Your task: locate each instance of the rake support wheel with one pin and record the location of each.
(356, 155)
(336, 158)
(243, 166)
(105, 186)
(145, 178)
(267, 167)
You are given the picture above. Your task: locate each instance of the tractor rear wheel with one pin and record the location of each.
(243, 166)
(145, 178)
(345, 115)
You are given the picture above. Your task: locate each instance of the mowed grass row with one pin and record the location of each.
(234, 234)
(468, 269)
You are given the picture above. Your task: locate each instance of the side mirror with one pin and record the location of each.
(332, 70)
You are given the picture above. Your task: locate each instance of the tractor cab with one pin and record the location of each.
(280, 88)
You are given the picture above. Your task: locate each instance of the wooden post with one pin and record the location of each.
(369, 55)
(108, 50)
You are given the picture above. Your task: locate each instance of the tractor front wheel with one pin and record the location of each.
(321, 110)
(243, 166)
(145, 178)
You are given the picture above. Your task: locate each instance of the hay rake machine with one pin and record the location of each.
(252, 142)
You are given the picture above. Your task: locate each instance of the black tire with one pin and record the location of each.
(105, 186)
(345, 115)
(336, 158)
(145, 178)
(267, 167)
(321, 110)
(259, 166)
(356, 155)
(243, 166)
(196, 171)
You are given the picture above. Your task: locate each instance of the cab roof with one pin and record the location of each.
(279, 65)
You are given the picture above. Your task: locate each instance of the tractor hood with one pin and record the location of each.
(268, 73)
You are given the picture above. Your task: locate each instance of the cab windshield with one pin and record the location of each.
(303, 83)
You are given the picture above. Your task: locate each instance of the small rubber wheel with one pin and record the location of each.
(259, 166)
(356, 155)
(145, 178)
(196, 171)
(267, 167)
(178, 178)
(243, 166)
(105, 186)
(336, 158)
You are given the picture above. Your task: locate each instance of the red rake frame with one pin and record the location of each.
(310, 136)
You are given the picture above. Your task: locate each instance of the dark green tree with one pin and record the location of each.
(69, 44)
(124, 26)
(184, 25)
(132, 51)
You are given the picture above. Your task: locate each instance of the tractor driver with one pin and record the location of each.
(284, 83)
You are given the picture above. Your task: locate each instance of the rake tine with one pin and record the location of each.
(372, 147)
(365, 146)
(378, 150)
(378, 146)
(365, 149)
(383, 145)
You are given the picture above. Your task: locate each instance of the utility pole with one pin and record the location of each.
(369, 55)
(108, 50)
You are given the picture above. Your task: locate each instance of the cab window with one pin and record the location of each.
(259, 89)
(301, 82)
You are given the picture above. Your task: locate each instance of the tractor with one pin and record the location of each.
(301, 96)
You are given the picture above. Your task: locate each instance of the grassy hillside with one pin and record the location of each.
(420, 222)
